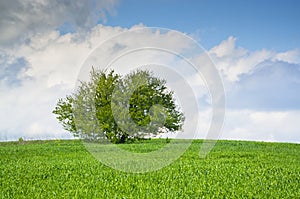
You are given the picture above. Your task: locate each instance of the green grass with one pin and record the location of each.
(233, 169)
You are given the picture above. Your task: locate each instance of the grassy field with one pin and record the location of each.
(233, 169)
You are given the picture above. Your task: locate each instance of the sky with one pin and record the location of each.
(255, 46)
(257, 24)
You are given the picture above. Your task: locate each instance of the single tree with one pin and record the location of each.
(116, 109)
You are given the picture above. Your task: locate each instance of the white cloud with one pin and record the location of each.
(272, 85)
(262, 89)
(28, 107)
(51, 63)
(292, 56)
(50, 72)
(227, 48)
(234, 61)
(279, 126)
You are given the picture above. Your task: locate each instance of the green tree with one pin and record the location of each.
(116, 109)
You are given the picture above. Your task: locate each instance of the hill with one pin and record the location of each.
(233, 169)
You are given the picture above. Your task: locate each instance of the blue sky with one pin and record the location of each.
(257, 23)
(255, 46)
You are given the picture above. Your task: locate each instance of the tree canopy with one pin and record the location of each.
(115, 108)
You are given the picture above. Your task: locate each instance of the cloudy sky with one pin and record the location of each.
(255, 46)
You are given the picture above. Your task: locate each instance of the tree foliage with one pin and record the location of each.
(116, 109)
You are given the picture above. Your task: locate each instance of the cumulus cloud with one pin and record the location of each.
(49, 70)
(262, 86)
(20, 19)
(26, 112)
(234, 61)
(292, 56)
(272, 126)
(35, 74)
(272, 85)
(262, 92)
(11, 69)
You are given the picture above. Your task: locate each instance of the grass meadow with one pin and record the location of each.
(233, 169)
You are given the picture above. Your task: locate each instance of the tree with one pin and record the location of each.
(117, 109)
